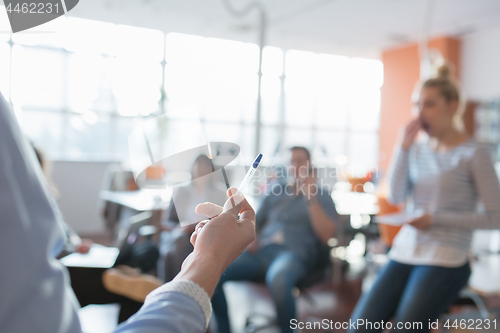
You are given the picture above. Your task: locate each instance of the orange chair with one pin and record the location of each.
(155, 172)
(387, 232)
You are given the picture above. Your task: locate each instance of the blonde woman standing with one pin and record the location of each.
(444, 178)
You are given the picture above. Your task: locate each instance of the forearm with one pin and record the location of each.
(399, 176)
(467, 220)
(202, 270)
(322, 224)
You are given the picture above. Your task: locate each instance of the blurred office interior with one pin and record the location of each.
(335, 76)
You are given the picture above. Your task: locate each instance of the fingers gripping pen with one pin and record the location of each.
(249, 175)
(243, 185)
(248, 178)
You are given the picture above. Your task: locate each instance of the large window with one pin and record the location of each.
(80, 91)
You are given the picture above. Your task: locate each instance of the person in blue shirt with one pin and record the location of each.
(293, 225)
(34, 286)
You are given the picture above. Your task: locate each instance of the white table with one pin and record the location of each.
(98, 257)
(140, 200)
(348, 203)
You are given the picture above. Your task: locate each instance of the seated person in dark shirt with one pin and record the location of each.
(293, 225)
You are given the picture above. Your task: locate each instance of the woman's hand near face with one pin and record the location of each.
(410, 133)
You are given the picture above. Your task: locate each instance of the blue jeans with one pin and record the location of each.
(280, 269)
(410, 294)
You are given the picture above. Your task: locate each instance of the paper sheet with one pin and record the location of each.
(399, 218)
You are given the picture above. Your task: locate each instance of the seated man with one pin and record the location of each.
(293, 225)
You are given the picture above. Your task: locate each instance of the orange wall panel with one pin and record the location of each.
(401, 73)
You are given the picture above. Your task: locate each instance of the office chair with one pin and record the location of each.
(137, 248)
(468, 296)
(115, 179)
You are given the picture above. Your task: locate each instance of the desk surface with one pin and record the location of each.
(348, 203)
(485, 278)
(140, 200)
(98, 257)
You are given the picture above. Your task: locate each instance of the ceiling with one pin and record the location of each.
(360, 28)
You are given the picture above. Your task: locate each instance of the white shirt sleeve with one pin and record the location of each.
(177, 307)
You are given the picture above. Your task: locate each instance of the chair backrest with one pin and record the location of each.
(116, 178)
(126, 242)
(320, 271)
(387, 232)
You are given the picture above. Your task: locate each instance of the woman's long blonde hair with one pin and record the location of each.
(449, 89)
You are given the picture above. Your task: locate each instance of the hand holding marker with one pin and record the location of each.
(212, 210)
(249, 175)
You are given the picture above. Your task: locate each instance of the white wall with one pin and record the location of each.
(481, 65)
(79, 184)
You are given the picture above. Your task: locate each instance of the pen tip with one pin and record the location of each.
(257, 161)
